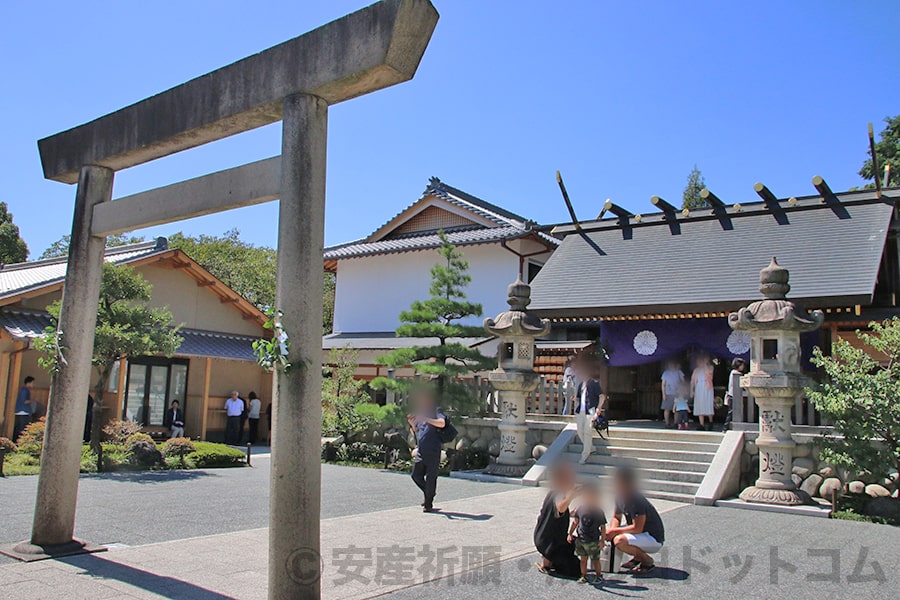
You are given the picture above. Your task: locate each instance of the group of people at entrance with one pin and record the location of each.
(238, 413)
(677, 393)
(572, 528)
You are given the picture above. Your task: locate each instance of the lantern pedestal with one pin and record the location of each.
(514, 378)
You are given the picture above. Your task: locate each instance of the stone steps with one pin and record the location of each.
(671, 463)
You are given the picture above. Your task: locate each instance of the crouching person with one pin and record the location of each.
(551, 533)
(636, 528)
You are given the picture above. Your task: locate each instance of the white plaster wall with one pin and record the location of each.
(371, 291)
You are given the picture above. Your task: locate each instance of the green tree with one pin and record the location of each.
(439, 318)
(61, 246)
(12, 247)
(887, 151)
(341, 392)
(126, 327)
(691, 196)
(859, 396)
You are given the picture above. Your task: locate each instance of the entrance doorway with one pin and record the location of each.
(152, 385)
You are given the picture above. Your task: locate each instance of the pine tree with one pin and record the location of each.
(12, 247)
(887, 149)
(440, 318)
(691, 197)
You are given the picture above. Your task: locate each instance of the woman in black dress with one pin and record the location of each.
(552, 529)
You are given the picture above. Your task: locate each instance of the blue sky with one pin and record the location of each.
(622, 97)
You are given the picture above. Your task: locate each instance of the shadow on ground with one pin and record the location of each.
(150, 477)
(168, 587)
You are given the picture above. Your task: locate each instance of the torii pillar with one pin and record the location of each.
(296, 82)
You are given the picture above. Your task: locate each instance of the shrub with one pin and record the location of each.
(118, 431)
(140, 436)
(7, 446)
(33, 434)
(144, 454)
(33, 450)
(208, 454)
(178, 448)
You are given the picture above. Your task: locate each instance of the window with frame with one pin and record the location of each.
(151, 386)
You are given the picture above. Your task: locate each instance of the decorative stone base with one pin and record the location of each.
(770, 496)
(507, 470)
(28, 552)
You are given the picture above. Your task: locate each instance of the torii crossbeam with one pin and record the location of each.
(294, 82)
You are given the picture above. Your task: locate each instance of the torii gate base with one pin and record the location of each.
(296, 81)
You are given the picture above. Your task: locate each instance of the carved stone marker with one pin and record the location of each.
(294, 82)
(515, 377)
(775, 381)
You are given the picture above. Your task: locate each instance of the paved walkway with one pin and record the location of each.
(374, 543)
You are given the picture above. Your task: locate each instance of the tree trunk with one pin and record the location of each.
(97, 415)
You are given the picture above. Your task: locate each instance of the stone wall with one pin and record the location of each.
(482, 433)
(814, 476)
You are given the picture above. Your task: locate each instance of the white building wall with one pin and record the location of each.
(371, 291)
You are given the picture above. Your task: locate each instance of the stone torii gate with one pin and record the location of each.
(294, 82)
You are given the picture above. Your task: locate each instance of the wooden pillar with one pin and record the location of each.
(120, 389)
(205, 412)
(14, 384)
(7, 387)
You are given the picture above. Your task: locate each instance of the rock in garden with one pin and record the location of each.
(494, 448)
(145, 454)
(877, 491)
(796, 479)
(480, 444)
(831, 485)
(811, 484)
(856, 487)
(751, 448)
(888, 508)
(548, 435)
(462, 443)
(538, 451)
(828, 472)
(803, 467)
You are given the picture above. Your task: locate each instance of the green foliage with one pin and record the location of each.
(272, 353)
(61, 246)
(119, 431)
(439, 318)
(208, 455)
(341, 393)
(859, 397)
(138, 437)
(7, 446)
(690, 198)
(33, 434)
(390, 415)
(179, 448)
(12, 247)
(887, 150)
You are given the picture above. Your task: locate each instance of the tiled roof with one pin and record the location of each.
(460, 237)
(384, 340)
(833, 251)
(25, 325)
(506, 225)
(22, 277)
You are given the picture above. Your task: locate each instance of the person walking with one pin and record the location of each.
(589, 402)
(672, 380)
(735, 393)
(234, 408)
(24, 407)
(702, 391)
(174, 420)
(253, 416)
(426, 424)
(570, 384)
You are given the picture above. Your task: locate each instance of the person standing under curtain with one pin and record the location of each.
(702, 389)
(589, 400)
(234, 408)
(672, 380)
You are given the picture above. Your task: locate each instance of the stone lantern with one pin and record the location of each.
(515, 377)
(775, 381)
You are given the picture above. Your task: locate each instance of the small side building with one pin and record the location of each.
(216, 356)
(382, 274)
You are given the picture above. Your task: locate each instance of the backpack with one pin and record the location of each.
(448, 432)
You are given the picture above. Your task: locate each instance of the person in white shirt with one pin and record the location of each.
(253, 416)
(589, 402)
(672, 380)
(570, 384)
(234, 407)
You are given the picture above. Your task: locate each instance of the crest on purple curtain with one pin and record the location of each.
(632, 343)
